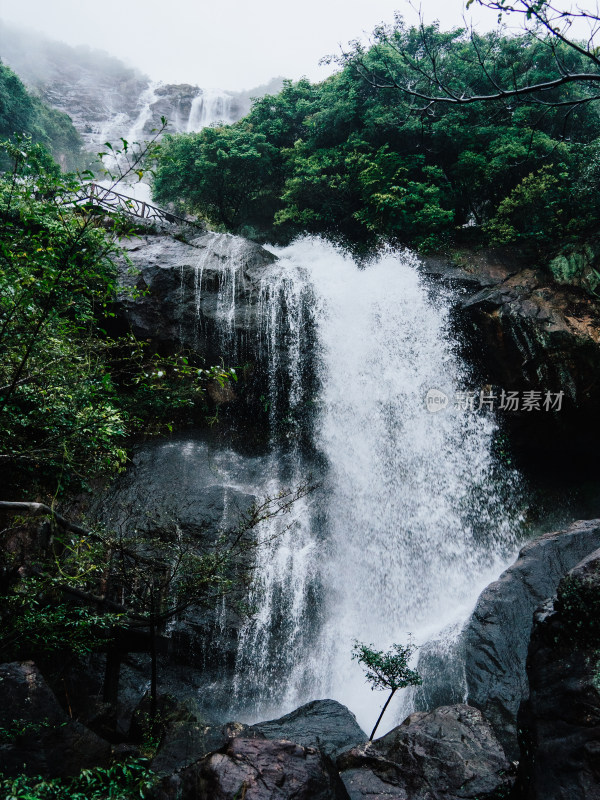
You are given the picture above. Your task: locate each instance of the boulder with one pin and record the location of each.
(257, 769)
(194, 484)
(496, 638)
(188, 736)
(39, 737)
(527, 333)
(560, 721)
(324, 724)
(445, 754)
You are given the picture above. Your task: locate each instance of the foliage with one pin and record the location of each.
(121, 781)
(36, 624)
(57, 405)
(355, 161)
(22, 113)
(90, 585)
(219, 172)
(70, 396)
(387, 670)
(578, 604)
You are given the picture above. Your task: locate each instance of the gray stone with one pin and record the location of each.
(180, 293)
(188, 736)
(450, 753)
(325, 724)
(560, 721)
(42, 739)
(257, 769)
(497, 636)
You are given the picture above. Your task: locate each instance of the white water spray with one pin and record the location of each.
(413, 518)
(209, 107)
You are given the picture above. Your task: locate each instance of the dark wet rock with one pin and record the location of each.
(525, 332)
(257, 769)
(560, 721)
(496, 637)
(475, 269)
(445, 754)
(39, 737)
(194, 484)
(188, 736)
(536, 334)
(193, 293)
(325, 724)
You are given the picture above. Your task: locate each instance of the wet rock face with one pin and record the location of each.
(560, 721)
(446, 754)
(485, 662)
(199, 487)
(535, 336)
(173, 101)
(524, 332)
(203, 295)
(189, 737)
(496, 637)
(325, 724)
(257, 769)
(42, 739)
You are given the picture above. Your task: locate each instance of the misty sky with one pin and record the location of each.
(232, 44)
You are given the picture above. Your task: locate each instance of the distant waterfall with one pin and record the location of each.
(137, 132)
(210, 106)
(413, 517)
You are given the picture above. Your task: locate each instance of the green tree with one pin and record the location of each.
(23, 113)
(387, 670)
(359, 159)
(70, 396)
(57, 273)
(418, 62)
(221, 173)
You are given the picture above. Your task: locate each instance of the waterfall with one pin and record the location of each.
(147, 98)
(413, 516)
(210, 106)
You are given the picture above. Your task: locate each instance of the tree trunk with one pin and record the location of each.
(111, 675)
(387, 702)
(153, 693)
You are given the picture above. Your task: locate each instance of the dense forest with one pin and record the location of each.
(359, 159)
(25, 114)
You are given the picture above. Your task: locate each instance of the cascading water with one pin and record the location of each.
(208, 107)
(413, 517)
(212, 105)
(148, 97)
(135, 135)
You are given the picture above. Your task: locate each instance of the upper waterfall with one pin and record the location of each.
(212, 105)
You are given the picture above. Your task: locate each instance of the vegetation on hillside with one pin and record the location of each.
(70, 396)
(350, 159)
(22, 113)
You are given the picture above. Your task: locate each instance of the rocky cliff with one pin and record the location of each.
(525, 332)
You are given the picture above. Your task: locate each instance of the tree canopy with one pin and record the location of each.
(358, 157)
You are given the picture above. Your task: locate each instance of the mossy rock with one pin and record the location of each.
(576, 267)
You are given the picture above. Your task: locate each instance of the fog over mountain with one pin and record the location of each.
(107, 99)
